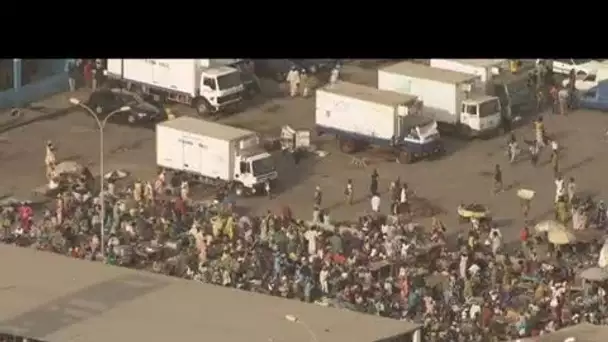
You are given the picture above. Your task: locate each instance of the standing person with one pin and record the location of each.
(533, 148)
(335, 74)
(50, 158)
(560, 188)
(373, 187)
(498, 185)
(184, 190)
(318, 198)
(88, 74)
(348, 191)
(562, 100)
(72, 69)
(138, 191)
(555, 162)
(97, 74)
(404, 198)
(513, 149)
(293, 78)
(554, 99)
(304, 83)
(571, 190)
(539, 129)
(267, 189)
(375, 203)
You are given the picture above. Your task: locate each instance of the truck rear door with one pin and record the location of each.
(191, 155)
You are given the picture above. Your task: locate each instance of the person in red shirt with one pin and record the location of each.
(25, 216)
(180, 206)
(88, 74)
(524, 234)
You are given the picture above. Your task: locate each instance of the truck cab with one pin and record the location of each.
(253, 168)
(480, 114)
(220, 86)
(419, 138)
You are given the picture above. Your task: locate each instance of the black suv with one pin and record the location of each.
(143, 112)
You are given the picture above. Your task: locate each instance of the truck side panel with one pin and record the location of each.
(439, 98)
(194, 153)
(179, 75)
(448, 64)
(352, 116)
(210, 63)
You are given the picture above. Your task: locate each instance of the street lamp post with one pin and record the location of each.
(295, 319)
(101, 125)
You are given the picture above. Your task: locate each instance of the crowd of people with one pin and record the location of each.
(473, 289)
(384, 263)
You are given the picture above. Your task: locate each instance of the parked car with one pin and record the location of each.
(563, 66)
(143, 111)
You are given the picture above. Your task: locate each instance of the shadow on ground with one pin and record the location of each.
(43, 115)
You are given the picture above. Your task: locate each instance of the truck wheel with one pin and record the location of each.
(404, 158)
(347, 146)
(201, 108)
(465, 131)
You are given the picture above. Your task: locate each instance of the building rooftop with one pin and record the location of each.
(370, 94)
(583, 332)
(56, 298)
(422, 71)
(207, 128)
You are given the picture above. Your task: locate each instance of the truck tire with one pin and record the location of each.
(404, 157)
(202, 108)
(465, 132)
(347, 145)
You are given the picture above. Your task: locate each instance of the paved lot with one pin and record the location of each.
(64, 299)
(462, 176)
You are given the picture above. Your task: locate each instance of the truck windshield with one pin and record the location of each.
(262, 166)
(230, 80)
(489, 108)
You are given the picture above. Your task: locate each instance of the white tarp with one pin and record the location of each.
(427, 131)
(603, 259)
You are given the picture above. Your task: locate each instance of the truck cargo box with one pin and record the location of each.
(441, 91)
(200, 147)
(484, 68)
(182, 75)
(359, 110)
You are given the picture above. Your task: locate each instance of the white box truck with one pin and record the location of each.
(484, 68)
(359, 116)
(514, 90)
(206, 85)
(214, 151)
(453, 99)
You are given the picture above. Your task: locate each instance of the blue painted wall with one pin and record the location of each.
(55, 82)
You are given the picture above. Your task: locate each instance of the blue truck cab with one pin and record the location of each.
(421, 139)
(595, 98)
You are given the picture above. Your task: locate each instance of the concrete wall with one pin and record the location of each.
(39, 89)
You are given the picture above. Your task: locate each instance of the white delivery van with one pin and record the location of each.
(206, 85)
(453, 99)
(214, 151)
(358, 116)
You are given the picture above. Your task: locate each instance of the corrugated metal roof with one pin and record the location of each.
(426, 72)
(207, 128)
(369, 94)
(583, 332)
(56, 298)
